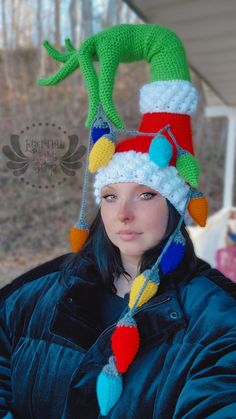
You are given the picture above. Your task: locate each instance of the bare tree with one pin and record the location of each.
(15, 19)
(27, 25)
(39, 22)
(127, 13)
(87, 18)
(73, 19)
(5, 48)
(74, 78)
(57, 5)
(13, 24)
(119, 8)
(17, 23)
(39, 36)
(111, 16)
(10, 81)
(40, 56)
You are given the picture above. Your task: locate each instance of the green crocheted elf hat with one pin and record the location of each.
(160, 155)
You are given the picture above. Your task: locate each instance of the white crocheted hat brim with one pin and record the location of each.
(138, 168)
(175, 96)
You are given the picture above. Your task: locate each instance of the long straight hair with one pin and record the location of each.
(101, 252)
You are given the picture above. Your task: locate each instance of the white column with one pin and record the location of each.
(230, 162)
(230, 113)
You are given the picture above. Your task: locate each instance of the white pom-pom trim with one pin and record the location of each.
(138, 168)
(173, 96)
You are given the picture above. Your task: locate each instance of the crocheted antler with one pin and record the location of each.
(119, 44)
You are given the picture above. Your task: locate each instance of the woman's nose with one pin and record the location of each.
(125, 212)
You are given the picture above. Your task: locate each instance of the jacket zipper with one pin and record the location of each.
(125, 310)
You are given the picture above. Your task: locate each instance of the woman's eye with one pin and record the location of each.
(148, 195)
(109, 198)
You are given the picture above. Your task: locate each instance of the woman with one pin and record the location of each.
(133, 325)
(55, 329)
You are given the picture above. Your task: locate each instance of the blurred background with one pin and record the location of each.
(36, 214)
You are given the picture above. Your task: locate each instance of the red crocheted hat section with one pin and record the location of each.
(152, 122)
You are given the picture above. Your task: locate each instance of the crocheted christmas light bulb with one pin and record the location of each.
(174, 254)
(125, 342)
(160, 151)
(77, 237)
(109, 387)
(148, 292)
(101, 153)
(198, 208)
(188, 168)
(99, 129)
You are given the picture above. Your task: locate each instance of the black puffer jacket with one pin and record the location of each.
(53, 346)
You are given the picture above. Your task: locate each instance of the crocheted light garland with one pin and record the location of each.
(198, 208)
(125, 342)
(125, 339)
(160, 151)
(101, 153)
(100, 127)
(78, 235)
(109, 387)
(174, 254)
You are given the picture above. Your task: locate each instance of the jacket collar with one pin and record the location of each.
(77, 314)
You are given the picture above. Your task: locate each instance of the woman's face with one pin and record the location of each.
(135, 217)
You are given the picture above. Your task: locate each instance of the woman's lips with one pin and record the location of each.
(128, 235)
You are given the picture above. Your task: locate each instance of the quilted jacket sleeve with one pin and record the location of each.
(5, 369)
(210, 385)
(210, 388)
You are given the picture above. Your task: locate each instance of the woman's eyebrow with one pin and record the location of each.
(137, 187)
(108, 187)
(140, 187)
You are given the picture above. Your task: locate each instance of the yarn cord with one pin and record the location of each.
(83, 209)
(154, 268)
(140, 133)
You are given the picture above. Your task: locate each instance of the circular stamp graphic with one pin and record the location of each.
(43, 155)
